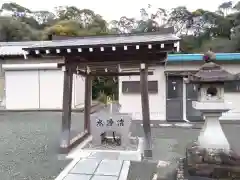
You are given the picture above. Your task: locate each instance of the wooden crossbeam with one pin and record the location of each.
(117, 73)
(101, 72)
(110, 73)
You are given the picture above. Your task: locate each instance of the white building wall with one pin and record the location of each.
(131, 103)
(22, 91)
(51, 89)
(78, 91)
(39, 89)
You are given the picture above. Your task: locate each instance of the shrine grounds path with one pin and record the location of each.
(29, 144)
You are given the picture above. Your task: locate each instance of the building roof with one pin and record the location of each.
(106, 40)
(199, 57)
(19, 43)
(153, 42)
(16, 49)
(12, 51)
(16, 67)
(110, 50)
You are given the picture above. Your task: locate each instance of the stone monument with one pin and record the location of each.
(111, 121)
(211, 155)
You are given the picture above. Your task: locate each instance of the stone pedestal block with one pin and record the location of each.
(104, 122)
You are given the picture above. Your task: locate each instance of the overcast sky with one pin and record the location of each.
(111, 9)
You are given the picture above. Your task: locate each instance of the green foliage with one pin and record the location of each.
(12, 29)
(105, 85)
(65, 27)
(218, 45)
(102, 98)
(15, 8)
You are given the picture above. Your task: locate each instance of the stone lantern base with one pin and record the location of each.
(210, 163)
(212, 135)
(211, 155)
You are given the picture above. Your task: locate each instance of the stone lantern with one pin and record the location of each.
(211, 151)
(210, 79)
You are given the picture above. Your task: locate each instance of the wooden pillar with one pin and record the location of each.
(145, 111)
(87, 103)
(67, 107)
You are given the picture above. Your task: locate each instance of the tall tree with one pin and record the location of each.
(44, 17)
(123, 25)
(181, 19)
(225, 7)
(68, 13)
(16, 8)
(14, 30)
(151, 21)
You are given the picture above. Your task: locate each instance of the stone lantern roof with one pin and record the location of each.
(210, 72)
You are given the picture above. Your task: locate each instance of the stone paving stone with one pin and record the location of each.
(109, 167)
(142, 170)
(129, 156)
(105, 155)
(124, 171)
(86, 166)
(104, 178)
(78, 153)
(77, 177)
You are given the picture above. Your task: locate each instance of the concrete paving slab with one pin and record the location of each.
(132, 156)
(104, 178)
(142, 170)
(86, 166)
(104, 155)
(125, 170)
(77, 177)
(109, 168)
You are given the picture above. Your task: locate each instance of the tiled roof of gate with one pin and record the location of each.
(15, 48)
(107, 40)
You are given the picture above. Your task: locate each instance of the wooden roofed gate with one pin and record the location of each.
(106, 56)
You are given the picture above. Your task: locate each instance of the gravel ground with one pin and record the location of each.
(29, 145)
